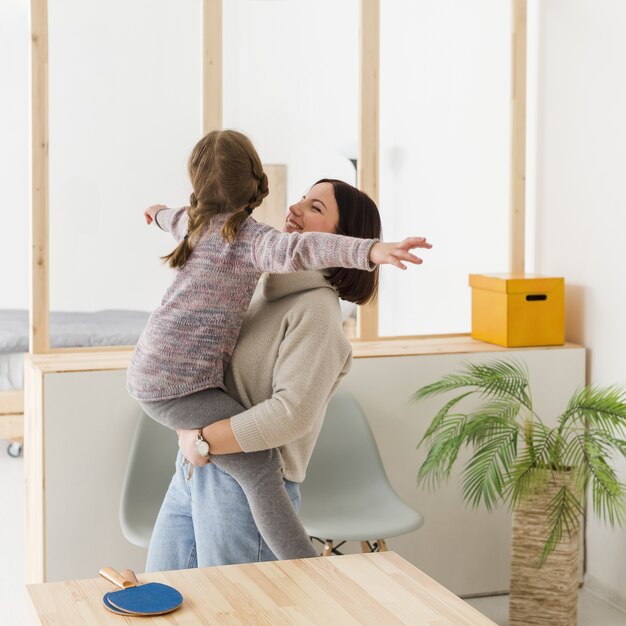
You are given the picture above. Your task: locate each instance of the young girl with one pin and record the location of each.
(178, 366)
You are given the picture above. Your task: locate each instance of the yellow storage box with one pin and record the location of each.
(515, 310)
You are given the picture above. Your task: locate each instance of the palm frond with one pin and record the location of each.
(446, 443)
(441, 415)
(502, 379)
(447, 383)
(490, 418)
(574, 457)
(524, 479)
(494, 379)
(599, 408)
(608, 442)
(564, 513)
(608, 493)
(484, 476)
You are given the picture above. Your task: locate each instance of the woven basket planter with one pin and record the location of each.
(546, 596)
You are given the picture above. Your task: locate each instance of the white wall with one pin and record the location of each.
(580, 203)
(444, 154)
(14, 153)
(291, 74)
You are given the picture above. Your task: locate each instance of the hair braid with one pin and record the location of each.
(198, 218)
(261, 192)
(234, 223)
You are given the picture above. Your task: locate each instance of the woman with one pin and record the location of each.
(290, 355)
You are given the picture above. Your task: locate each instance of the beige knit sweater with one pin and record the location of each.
(290, 355)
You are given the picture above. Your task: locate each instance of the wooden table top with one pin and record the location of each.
(381, 589)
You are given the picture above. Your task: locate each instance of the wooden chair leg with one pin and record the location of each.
(382, 546)
(328, 548)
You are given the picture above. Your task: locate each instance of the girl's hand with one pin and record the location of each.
(151, 211)
(395, 252)
(187, 445)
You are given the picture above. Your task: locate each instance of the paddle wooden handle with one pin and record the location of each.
(128, 574)
(116, 578)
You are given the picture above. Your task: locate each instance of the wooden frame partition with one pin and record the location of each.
(212, 118)
(518, 135)
(39, 258)
(212, 65)
(12, 402)
(367, 172)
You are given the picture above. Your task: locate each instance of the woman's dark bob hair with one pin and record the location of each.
(358, 217)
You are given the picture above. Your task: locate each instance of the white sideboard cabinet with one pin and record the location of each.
(79, 422)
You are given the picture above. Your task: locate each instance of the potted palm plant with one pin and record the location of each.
(543, 473)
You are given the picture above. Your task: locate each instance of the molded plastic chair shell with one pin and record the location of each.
(346, 494)
(148, 474)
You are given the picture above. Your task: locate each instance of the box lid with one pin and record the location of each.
(515, 283)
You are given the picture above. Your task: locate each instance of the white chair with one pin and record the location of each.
(346, 495)
(148, 474)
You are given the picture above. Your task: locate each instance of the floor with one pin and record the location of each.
(591, 610)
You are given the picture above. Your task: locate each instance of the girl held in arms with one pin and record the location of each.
(177, 370)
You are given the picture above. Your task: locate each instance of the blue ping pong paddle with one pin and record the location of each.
(139, 599)
(112, 608)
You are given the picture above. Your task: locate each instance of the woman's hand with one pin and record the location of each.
(151, 212)
(395, 252)
(187, 444)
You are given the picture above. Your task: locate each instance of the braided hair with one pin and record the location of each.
(226, 177)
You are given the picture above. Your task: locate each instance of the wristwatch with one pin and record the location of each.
(202, 445)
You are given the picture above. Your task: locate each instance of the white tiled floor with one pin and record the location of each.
(591, 610)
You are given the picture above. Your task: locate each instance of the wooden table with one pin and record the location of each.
(381, 589)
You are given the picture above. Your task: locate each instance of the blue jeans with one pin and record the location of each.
(207, 521)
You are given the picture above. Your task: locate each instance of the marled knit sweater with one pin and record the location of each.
(189, 339)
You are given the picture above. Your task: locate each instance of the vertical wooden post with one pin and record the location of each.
(274, 207)
(367, 171)
(39, 290)
(212, 66)
(518, 136)
(34, 475)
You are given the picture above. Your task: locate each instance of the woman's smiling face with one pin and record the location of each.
(317, 211)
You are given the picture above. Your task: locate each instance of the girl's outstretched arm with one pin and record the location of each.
(170, 220)
(395, 252)
(273, 251)
(150, 213)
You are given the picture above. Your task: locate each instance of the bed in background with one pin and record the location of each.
(67, 330)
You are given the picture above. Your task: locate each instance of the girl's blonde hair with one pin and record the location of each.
(226, 177)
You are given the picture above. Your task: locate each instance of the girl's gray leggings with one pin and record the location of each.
(258, 473)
